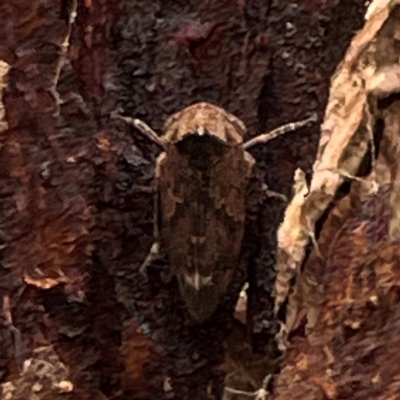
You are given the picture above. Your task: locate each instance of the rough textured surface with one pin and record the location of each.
(73, 230)
(343, 306)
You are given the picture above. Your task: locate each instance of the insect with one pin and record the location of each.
(200, 198)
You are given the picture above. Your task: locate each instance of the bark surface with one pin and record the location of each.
(77, 320)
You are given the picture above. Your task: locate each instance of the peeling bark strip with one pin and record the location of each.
(201, 180)
(4, 67)
(369, 72)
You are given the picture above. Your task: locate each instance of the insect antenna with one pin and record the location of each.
(281, 130)
(266, 137)
(140, 126)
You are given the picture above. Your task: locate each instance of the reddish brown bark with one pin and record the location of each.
(74, 233)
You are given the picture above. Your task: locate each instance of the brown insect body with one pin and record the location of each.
(201, 182)
(201, 179)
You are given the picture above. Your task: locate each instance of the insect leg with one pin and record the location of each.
(271, 193)
(16, 334)
(155, 248)
(143, 188)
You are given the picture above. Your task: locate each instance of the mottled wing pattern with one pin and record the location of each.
(204, 209)
(171, 190)
(228, 182)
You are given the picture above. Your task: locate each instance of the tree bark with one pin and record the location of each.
(342, 312)
(74, 230)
